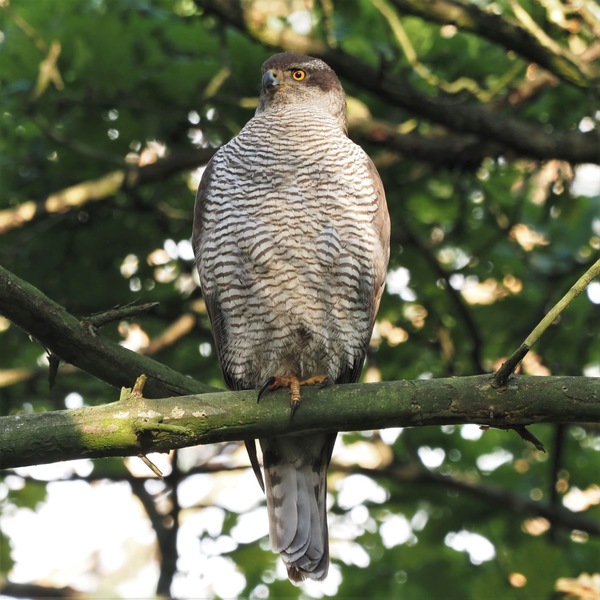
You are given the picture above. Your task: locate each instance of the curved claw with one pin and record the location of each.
(324, 383)
(294, 404)
(264, 387)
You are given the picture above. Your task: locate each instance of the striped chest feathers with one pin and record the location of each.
(291, 212)
(299, 180)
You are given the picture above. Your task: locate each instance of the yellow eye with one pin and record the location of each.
(298, 74)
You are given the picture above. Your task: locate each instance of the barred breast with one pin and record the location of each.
(288, 247)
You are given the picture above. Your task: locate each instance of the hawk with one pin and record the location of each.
(291, 239)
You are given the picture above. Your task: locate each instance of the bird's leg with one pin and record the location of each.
(274, 383)
(294, 394)
(293, 383)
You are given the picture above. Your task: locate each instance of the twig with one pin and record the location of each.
(53, 363)
(505, 371)
(527, 436)
(138, 387)
(118, 313)
(151, 466)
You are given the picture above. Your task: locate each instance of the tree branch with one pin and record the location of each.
(135, 425)
(404, 474)
(74, 341)
(411, 473)
(442, 151)
(524, 137)
(32, 590)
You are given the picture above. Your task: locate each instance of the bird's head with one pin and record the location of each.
(292, 79)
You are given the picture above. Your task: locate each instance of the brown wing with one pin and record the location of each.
(351, 374)
(212, 303)
(210, 299)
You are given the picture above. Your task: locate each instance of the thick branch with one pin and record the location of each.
(405, 474)
(76, 342)
(137, 425)
(527, 138)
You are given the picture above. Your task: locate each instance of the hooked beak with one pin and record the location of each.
(269, 81)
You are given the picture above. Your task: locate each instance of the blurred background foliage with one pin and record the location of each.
(483, 119)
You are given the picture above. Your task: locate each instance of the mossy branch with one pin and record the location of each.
(135, 425)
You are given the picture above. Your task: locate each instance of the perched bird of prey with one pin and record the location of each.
(291, 238)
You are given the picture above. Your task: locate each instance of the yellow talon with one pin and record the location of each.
(293, 383)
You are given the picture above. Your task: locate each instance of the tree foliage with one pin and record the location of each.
(482, 119)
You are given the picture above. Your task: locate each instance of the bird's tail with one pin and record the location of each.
(296, 487)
